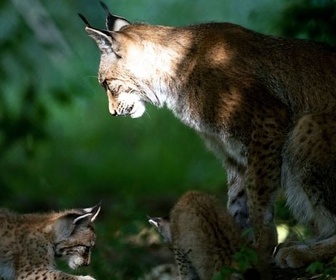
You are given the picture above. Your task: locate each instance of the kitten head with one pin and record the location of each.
(163, 227)
(74, 236)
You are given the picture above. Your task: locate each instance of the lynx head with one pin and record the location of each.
(163, 227)
(74, 235)
(129, 68)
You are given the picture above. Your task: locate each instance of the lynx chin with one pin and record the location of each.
(30, 242)
(265, 106)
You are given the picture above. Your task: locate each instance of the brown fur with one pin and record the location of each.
(264, 105)
(203, 235)
(30, 242)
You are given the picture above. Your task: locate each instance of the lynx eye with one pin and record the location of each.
(104, 84)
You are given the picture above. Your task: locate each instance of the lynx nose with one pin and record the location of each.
(111, 104)
(112, 109)
(87, 259)
(113, 112)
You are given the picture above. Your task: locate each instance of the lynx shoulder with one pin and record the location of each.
(204, 237)
(29, 243)
(265, 105)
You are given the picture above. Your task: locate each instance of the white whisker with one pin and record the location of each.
(149, 116)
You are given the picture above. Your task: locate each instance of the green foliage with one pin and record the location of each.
(244, 259)
(309, 19)
(224, 274)
(324, 271)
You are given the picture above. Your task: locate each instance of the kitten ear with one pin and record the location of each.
(64, 227)
(163, 227)
(103, 39)
(113, 22)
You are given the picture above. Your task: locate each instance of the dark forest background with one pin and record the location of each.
(60, 148)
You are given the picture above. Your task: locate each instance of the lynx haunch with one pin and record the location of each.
(265, 106)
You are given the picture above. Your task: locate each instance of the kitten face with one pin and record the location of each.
(77, 249)
(75, 236)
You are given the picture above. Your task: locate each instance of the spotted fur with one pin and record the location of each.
(203, 235)
(29, 243)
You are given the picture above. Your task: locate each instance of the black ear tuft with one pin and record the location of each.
(84, 19)
(113, 22)
(104, 7)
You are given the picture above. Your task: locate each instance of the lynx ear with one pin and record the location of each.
(65, 225)
(163, 227)
(103, 39)
(113, 22)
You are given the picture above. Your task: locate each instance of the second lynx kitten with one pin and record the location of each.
(29, 243)
(203, 236)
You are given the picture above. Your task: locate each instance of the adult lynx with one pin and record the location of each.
(204, 237)
(29, 243)
(265, 105)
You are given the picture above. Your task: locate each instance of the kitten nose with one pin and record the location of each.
(87, 261)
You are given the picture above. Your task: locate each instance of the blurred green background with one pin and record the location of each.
(60, 148)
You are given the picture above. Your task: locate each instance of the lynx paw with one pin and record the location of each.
(87, 277)
(294, 256)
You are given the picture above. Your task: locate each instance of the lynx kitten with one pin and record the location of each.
(203, 235)
(29, 243)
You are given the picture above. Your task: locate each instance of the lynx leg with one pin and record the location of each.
(304, 254)
(308, 175)
(262, 184)
(237, 198)
(48, 274)
(235, 168)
